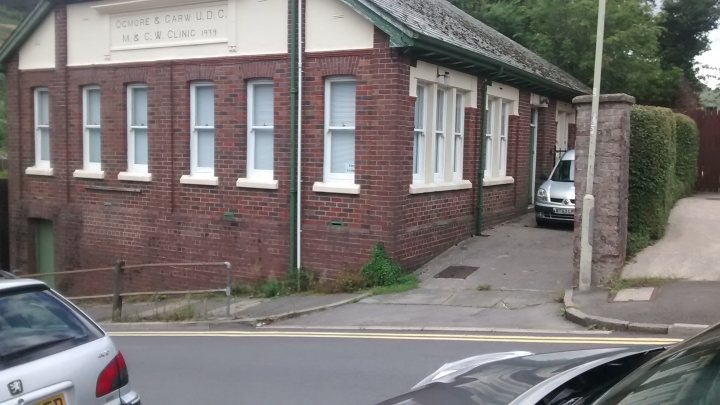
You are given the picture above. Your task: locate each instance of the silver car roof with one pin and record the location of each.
(6, 284)
(569, 155)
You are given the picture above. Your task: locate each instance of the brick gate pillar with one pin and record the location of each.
(612, 172)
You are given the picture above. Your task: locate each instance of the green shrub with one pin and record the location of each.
(301, 280)
(652, 190)
(688, 144)
(381, 270)
(636, 242)
(272, 288)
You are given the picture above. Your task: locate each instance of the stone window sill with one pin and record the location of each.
(199, 180)
(497, 181)
(132, 176)
(254, 183)
(89, 174)
(437, 187)
(39, 171)
(337, 188)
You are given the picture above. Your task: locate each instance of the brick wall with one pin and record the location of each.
(99, 221)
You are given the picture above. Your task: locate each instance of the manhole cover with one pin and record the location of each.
(456, 272)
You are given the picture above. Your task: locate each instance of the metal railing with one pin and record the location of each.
(119, 270)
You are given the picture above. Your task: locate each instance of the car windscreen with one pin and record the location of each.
(35, 323)
(687, 374)
(564, 172)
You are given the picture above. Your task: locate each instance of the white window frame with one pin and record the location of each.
(458, 143)
(89, 166)
(497, 133)
(252, 173)
(132, 166)
(41, 163)
(195, 169)
(330, 177)
(490, 108)
(504, 128)
(419, 134)
(439, 138)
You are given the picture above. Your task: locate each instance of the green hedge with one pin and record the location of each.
(652, 169)
(663, 161)
(688, 144)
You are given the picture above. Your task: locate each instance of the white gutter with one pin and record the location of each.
(299, 216)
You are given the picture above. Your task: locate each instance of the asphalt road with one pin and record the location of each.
(298, 367)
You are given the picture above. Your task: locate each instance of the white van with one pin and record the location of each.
(555, 200)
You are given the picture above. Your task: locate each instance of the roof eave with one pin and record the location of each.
(497, 70)
(400, 35)
(23, 31)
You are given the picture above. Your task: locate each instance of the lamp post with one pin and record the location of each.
(588, 211)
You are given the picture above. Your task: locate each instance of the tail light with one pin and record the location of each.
(114, 376)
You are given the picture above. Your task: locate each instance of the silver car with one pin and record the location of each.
(555, 200)
(53, 354)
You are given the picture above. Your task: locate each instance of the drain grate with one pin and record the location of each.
(713, 198)
(456, 272)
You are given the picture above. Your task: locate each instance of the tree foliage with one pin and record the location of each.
(563, 32)
(685, 27)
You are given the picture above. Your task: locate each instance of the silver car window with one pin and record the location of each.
(35, 323)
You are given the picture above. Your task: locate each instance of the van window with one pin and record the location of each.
(564, 172)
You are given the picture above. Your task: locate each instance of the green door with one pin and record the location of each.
(45, 250)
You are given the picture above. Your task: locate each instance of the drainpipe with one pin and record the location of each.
(300, 49)
(481, 167)
(292, 265)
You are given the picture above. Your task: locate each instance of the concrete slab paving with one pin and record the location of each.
(692, 302)
(690, 248)
(634, 294)
(363, 315)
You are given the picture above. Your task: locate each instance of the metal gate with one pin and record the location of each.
(708, 123)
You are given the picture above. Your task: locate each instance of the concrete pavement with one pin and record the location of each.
(682, 273)
(518, 284)
(517, 277)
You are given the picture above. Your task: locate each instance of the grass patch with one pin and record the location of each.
(406, 282)
(484, 287)
(617, 284)
(3, 174)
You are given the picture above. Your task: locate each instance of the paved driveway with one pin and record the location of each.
(523, 271)
(691, 246)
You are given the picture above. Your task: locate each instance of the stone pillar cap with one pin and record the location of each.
(606, 98)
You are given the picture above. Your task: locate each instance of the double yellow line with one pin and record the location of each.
(572, 339)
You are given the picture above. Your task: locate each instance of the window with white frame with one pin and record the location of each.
(202, 126)
(439, 135)
(137, 116)
(42, 128)
(419, 136)
(458, 136)
(260, 130)
(497, 116)
(440, 128)
(339, 164)
(92, 135)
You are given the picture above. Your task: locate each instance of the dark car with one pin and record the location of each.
(688, 373)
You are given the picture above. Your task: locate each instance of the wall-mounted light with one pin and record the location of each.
(445, 74)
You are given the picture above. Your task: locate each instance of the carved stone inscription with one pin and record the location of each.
(187, 25)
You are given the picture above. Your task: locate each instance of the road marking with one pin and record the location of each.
(408, 336)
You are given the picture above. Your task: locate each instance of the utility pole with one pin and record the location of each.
(588, 211)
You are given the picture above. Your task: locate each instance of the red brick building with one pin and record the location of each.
(159, 131)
